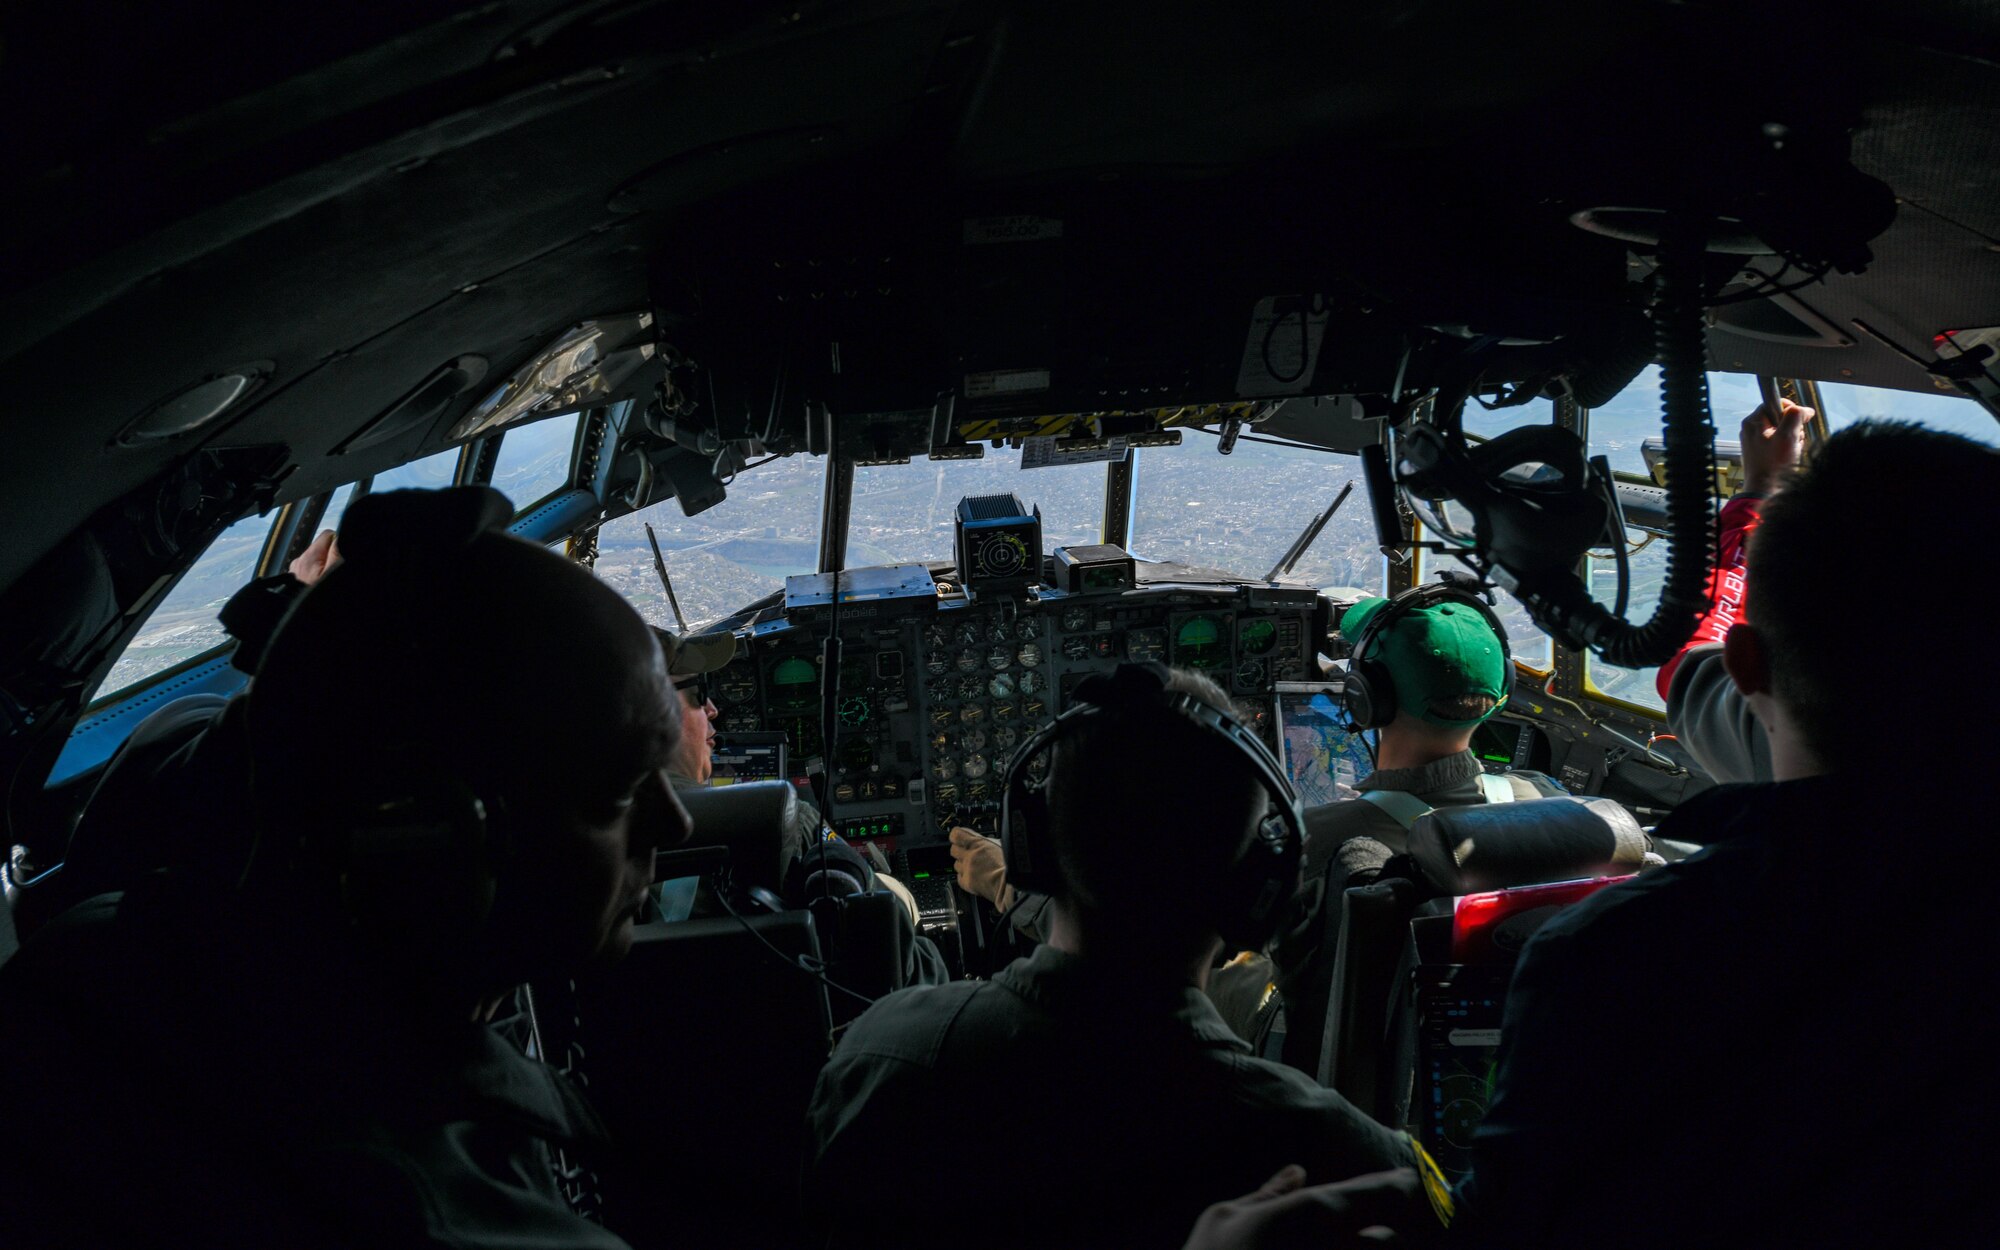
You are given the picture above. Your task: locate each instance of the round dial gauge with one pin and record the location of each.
(1004, 710)
(940, 741)
(1030, 655)
(854, 710)
(937, 662)
(1001, 686)
(1027, 629)
(999, 658)
(1034, 709)
(1076, 647)
(972, 740)
(979, 792)
(1146, 644)
(972, 713)
(999, 631)
(943, 767)
(1000, 553)
(940, 716)
(970, 687)
(974, 766)
(936, 635)
(737, 684)
(968, 660)
(1032, 681)
(1075, 618)
(1256, 637)
(939, 691)
(946, 794)
(1250, 673)
(1005, 737)
(970, 632)
(1198, 642)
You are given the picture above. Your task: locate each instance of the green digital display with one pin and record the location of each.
(796, 671)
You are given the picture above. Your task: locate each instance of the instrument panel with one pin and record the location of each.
(937, 691)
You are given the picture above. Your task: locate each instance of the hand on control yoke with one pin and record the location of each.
(1772, 448)
(981, 868)
(316, 560)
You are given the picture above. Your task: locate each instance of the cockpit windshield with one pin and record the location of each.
(903, 512)
(1239, 513)
(725, 558)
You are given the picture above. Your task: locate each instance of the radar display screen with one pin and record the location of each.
(1319, 752)
(1201, 642)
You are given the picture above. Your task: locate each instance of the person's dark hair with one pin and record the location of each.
(440, 645)
(1863, 658)
(1146, 813)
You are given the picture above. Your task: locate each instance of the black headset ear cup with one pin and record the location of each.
(1369, 693)
(1026, 846)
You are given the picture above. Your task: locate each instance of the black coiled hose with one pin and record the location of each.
(1689, 433)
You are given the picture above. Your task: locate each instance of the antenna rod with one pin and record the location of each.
(660, 566)
(1300, 545)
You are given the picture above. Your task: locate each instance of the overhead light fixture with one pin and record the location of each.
(193, 406)
(584, 365)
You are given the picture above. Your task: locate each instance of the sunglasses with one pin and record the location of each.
(698, 684)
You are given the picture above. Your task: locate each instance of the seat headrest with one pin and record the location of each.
(1494, 846)
(753, 819)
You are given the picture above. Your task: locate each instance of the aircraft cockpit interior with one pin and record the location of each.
(950, 361)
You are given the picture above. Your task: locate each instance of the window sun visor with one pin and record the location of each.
(584, 366)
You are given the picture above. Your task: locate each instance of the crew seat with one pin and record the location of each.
(1367, 1048)
(175, 795)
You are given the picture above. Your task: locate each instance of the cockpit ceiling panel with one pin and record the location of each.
(397, 185)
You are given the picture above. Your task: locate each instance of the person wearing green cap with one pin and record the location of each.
(1426, 669)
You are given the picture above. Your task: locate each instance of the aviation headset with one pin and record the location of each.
(1369, 693)
(1260, 882)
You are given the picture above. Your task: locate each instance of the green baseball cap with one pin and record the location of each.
(1435, 654)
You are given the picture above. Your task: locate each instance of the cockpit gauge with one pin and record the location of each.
(793, 685)
(979, 792)
(1146, 644)
(855, 711)
(743, 722)
(974, 766)
(940, 741)
(1076, 647)
(1032, 681)
(968, 661)
(946, 794)
(1027, 629)
(1030, 655)
(972, 740)
(999, 658)
(972, 713)
(939, 691)
(736, 684)
(1004, 710)
(1199, 642)
(1034, 709)
(941, 716)
(1001, 686)
(971, 687)
(1256, 637)
(937, 662)
(1005, 737)
(970, 632)
(1075, 618)
(943, 767)
(1250, 673)
(1000, 631)
(936, 636)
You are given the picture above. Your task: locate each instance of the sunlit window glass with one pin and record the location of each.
(903, 512)
(184, 625)
(534, 460)
(1618, 431)
(725, 558)
(1239, 513)
(1846, 403)
(1529, 645)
